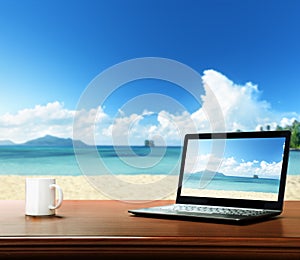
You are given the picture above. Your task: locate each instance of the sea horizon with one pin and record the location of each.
(61, 160)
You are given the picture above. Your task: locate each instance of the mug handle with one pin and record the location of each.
(60, 196)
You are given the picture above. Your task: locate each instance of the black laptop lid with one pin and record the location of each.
(236, 169)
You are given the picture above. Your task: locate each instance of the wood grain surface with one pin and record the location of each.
(104, 228)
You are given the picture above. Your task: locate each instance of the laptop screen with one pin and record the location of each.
(233, 167)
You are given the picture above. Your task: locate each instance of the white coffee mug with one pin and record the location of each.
(40, 196)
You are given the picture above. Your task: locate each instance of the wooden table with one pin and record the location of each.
(104, 230)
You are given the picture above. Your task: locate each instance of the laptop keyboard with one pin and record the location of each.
(195, 209)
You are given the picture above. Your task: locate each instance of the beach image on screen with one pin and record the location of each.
(247, 169)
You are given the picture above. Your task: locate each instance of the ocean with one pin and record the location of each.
(233, 183)
(61, 161)
(27, 160)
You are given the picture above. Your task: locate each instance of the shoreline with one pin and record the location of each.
(295, 149)
(78, 187)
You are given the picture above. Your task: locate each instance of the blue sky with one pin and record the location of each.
(240, 158)
(270, 150)
(51, 50)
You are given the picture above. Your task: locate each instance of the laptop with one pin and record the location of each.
(235, 176)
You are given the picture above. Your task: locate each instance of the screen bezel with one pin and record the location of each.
(260, 204)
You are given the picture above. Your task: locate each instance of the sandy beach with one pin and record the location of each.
(123, 187)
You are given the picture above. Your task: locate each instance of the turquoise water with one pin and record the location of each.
(230, 183)
(24, 160)
(294, 163)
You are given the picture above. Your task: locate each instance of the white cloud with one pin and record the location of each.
(86, 122)
(287, 121)
(35, 122)
(202, 162)
(121, 129)
(263, 169)
(50, 112)
(168, 129)
(231, 167)
(41, 120)
(241, 106)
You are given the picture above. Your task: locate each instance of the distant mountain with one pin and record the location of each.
(50, 140)
(6, 142)
(208, 173)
